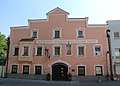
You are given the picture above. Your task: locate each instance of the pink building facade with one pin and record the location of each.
(59, 45)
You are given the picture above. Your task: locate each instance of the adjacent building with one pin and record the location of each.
(114, 27)
(59, 45)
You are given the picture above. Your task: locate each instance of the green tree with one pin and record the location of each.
(3, 48)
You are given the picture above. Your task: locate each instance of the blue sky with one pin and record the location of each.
(17, 12)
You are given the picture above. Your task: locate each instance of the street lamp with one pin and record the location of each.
(109, 46)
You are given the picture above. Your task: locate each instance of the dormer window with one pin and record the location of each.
(80, 33)
(34, 33)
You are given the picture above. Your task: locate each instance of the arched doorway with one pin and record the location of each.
(59, 71)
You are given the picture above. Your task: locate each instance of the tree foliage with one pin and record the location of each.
(3, 48)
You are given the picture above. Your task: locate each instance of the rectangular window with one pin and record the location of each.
(80, 34)
(26, 50)
(57, 34)
(14, 69)
(116, 35)
(98, 70)
(117, 51)
(34, 34)
(16, 51)
(81, 70)
(38, 70)
(118, 69)
(57, 50)
(81, 51)
(68, 49)
(39, 51)
(97, 51)
(25, 69)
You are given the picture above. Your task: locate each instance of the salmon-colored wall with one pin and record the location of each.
(68, 27)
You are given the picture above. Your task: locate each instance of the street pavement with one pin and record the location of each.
(26, 82)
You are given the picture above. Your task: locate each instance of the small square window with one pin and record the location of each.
(80, 34)
(57, 34)
(97, 51)
(38, 70)
(116, 35)
(34, 34)
(98, 70)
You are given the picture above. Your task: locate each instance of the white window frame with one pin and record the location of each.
(17, 67)
(16, 46)
(36, 50)
(81, 56)
(80, 29)
(54, 50)
(26, 65)
(23, 50)
(116, 37)
(85, 69)
(57, 29)
(102, 69)
(115, 51)
(33, 30)
(41, 68)
(101, 52)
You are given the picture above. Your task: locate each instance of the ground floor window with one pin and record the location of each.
(81, 70)
(38, 70)
(14, 69)
(118, 69)
(98, 70)
(25, 69)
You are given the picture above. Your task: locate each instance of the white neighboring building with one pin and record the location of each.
(114, 27)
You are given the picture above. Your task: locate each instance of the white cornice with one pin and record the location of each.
(20, 27)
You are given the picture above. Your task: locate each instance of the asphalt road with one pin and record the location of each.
(24, 82)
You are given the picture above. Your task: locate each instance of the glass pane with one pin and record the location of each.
(16, 51)
(39, 51)
(80, 50)
(57, 34)
(57, 50)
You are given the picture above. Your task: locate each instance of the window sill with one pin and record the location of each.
(80, 56)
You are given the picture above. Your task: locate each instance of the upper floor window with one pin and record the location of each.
(39, 51)
(26, 51)
(116, 35)
(97, 50)
(57, 33)
(80, 33)
(34, 33)
(117, 51)
(16, 51)
(57, 50)
(81, 50)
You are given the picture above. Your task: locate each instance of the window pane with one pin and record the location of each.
(116, 34)
(98, 70)
(38, 70)
(81, 70)
(14, 69)
(118, 69)
(16, 51)
(80, 33)
(57, 34)
(57, 50)
(81, 50)
(25, 69)
(26, 48)
(98, 50)
(39, 51)
(117, 51)
(34, 34)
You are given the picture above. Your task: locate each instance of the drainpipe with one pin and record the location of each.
(110, 56)
(8, 45)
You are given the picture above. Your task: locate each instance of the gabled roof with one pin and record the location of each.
(57, 11)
